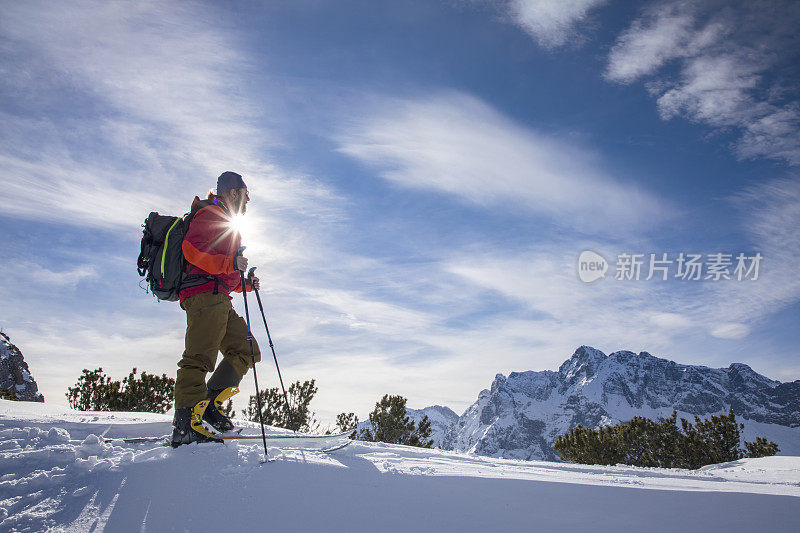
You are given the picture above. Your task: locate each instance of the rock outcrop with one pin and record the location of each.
(15, 376)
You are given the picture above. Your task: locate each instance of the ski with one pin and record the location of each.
(315, 442)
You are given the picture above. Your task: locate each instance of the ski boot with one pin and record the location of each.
(213, 414)
(187, 426)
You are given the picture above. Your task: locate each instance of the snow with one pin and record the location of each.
(57, 473)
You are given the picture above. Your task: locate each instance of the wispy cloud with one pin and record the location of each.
(729, 57)
(665, 33)
(607, 314)
(455, 144)
(552, 23)
(70, 277)
(152, 89)
(654, 314)
(769, 213)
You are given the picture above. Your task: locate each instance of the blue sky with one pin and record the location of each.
(423, 178)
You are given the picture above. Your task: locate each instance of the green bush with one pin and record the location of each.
(644, 442)
(391, 424)
(761, 448)
(95, 391)
(346, 422)
(275, 411)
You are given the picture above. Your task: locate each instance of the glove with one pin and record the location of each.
(239, 262)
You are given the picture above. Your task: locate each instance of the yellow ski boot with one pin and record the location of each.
(213, 414)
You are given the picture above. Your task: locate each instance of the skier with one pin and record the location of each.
(212, 249)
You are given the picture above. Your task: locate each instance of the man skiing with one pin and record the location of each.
(212, 250)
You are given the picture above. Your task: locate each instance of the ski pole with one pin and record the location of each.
(253, 359)
(272, 347)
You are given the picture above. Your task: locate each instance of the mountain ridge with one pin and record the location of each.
(520, 416)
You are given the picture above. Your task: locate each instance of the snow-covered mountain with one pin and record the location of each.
(442, 419)
(522, 414)
(15, 376)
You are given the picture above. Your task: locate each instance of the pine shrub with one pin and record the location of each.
(761, 448)
(644, 442)
(391, 424)
(95, 391)
(275, 411)
(346, 422)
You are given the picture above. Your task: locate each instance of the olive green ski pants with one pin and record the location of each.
(211, 326)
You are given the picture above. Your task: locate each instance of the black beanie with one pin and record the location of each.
(229, 180)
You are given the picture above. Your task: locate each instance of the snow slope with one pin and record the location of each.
(57, 474)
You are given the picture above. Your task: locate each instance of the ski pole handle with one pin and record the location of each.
(250, 278)
(236, 257)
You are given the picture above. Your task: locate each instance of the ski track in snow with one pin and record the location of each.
(57, 474)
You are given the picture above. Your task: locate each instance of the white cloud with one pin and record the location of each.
(713, 90)
(664, 33)
(674, 321)
(606, 314)
(773, 134)
(729, 69)
(551, 22)
(69, 277)
(769, 212)
(361, 312)
(453, 143)
(730, 331)
(84, 194)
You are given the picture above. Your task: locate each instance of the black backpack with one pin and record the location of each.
(161, 260)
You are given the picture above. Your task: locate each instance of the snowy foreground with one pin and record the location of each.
(57, 474)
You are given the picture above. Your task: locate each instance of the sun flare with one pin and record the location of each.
(240, 224)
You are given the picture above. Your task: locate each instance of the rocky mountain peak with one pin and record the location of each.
(440, 410)
(584, 362)
(521, 416)
(15, 376)
(499, 382)
(741, 375)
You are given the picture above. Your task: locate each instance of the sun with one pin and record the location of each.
(240, 224)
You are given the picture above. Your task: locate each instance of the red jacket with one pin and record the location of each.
(209, 247)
